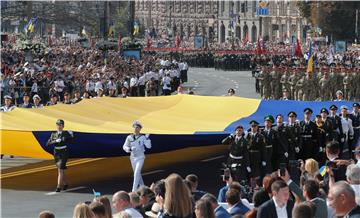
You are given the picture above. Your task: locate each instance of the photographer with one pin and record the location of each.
(238, 160)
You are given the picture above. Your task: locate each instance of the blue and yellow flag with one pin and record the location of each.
(30, 26)
(136, 28)
(310, 60)
(111, 31)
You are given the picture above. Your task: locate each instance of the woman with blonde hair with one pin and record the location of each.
(177, 202)
(203, 209)
(309, 170)
(82, 210)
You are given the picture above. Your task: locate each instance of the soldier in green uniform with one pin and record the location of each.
(256, 150)
(292, 80)
(60, 140)
(238, 160)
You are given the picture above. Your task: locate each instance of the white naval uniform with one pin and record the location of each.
(136, 146)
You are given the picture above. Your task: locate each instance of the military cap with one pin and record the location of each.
(292, 114)
(7, 97)
(324, 110)
(308, 110)
(60, 122)
(318, 116)
(254, 123)
(269, 117)
(333, 107)
(136, 124)
(356, 104)
(343, 107)
(339, 92)
(26, 94)
(36, 96)
(239, 127)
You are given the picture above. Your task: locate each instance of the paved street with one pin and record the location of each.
(33, 192)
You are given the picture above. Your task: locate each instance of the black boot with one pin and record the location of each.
(58, 189)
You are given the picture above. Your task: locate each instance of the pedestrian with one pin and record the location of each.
(60, 140)
(135, 144)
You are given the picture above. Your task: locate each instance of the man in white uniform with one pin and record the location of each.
(135, 144)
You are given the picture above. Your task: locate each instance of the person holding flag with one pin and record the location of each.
(310, 61)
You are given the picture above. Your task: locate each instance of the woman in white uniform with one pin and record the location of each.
(135, 144)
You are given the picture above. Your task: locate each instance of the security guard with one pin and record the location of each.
(60, 140)
(239, 155)
(308, 136)
(135, 144)
(283, 141)
(256, 150)
(295, 131)
(269, 135)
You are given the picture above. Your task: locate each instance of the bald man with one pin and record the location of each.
(342, 199)
(121, 202)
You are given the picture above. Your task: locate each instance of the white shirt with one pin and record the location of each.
(111, 85)
(59, 85)
(280, 211)
(131, 211)
(90, 86)
(7, 109)
(136, 145)
(347, 126)
(166, 82)
(141, 81)
(133, 81)
(98, 85)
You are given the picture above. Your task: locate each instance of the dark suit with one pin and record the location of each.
(268, 210)
(239, 208)
(220, 212)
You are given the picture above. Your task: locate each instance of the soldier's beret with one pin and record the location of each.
(136, 124)
(324, 110)
(308, 110)
(356, 104)
(344, 107)
(7, 97)
(254, 123)
(333, 107)
(60, 122)
(269, 117)
(292, 113)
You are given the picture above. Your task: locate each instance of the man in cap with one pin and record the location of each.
(53, 100)
(308, 136)
(339, 96)
(295, 132)
(355, 117)
(269, 133)
(239, 155)
(256, 150)
(348, 131)
(26, 101)
(36, 101)
(7, 104)
(135, 144)
(327, 124)
(60, 141)
(282, 143)
(67, 98)
(336, 123)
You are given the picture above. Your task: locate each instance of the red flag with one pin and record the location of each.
(259, 51)
(298, 52)
(177, 43)
(119, 42)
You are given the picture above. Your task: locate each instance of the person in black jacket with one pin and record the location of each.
(280, 205)
(269, 134)
(308, 136)
(60, 140)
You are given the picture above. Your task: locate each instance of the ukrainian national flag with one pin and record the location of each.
(30, 26)
(310, 60)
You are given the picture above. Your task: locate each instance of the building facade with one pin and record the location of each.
(224, 20)
(182, 18)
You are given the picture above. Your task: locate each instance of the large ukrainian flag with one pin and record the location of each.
(176, 122)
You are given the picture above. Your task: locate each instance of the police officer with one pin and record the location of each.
(295, 131)
(238, 160)
(269, 135)
(135, 144)
(60, 140)
(308, 136)
(256, 150)
(283, 140)
(355, 117)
